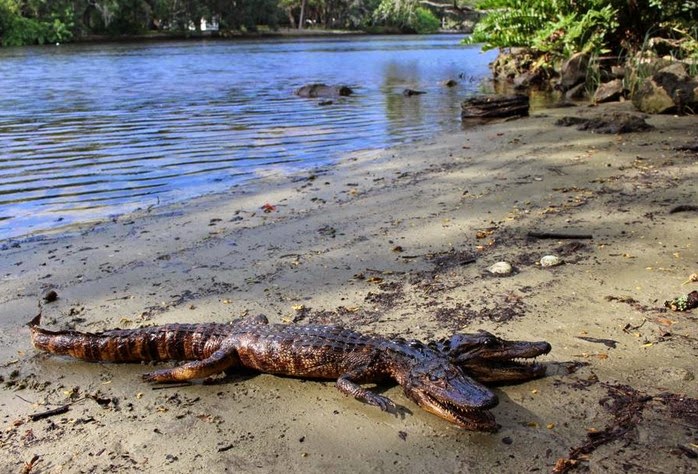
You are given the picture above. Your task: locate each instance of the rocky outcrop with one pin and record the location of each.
(609, 91)
(519, 66)
(323, 90)
(573, 71)
(669, 90)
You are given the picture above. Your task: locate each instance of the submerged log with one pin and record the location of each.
(495, 106)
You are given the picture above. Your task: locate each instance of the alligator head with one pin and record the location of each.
(442, 389)
(492, 360)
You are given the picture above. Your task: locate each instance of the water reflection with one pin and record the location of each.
(92, 130)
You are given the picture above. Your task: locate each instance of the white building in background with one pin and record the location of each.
(205, 24)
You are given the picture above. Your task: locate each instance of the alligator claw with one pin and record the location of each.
(384, 403)
(150, 377)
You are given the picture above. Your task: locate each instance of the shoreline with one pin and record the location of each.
(239, 35)
(384, 243)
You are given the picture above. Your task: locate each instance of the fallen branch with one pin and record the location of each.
(171, 385)
(557, 235)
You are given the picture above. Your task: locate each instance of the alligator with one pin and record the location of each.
(429, 374)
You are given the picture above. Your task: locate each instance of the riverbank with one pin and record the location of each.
(228, 35)
(262, 33)
(384, 243)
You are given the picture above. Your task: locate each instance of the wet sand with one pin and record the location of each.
(395, 242)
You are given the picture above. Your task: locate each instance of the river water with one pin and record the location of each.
(91, 131)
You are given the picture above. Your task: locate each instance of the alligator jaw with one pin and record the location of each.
(473, 419)
(503, 372)
(442, 389)
(491, 360)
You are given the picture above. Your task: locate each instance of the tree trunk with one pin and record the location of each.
(291, 19)
(301, 18)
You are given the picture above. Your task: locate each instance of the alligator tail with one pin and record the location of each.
(161, 343)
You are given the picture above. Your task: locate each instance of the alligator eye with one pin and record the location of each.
(433, 378)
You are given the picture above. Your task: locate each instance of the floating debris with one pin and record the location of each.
(550, 261)
(501, 269)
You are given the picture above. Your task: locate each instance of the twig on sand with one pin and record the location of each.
(48, 413)
(558, 235)
(171, 385)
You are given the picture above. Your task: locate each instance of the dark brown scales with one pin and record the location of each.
(161, 343)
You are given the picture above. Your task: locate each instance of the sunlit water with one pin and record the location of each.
(89, 131)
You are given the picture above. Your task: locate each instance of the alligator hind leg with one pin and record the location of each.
(224, 358)
(348, 387)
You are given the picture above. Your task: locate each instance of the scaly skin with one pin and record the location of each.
(427, 374)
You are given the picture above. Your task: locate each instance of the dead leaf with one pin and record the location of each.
(267, 208)
(664, 321)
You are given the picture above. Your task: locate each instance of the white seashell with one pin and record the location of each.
(550, 261)
(500, 268)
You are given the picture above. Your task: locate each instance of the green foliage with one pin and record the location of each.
(425, 22)
(17, 29)
(591, 26)
(550, 26)
(575, 32)
(407, 15)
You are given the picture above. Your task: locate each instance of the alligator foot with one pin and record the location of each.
(348, 387)
(224, 358)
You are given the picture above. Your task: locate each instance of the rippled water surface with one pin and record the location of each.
(88, 131)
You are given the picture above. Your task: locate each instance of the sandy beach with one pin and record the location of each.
(394, 242)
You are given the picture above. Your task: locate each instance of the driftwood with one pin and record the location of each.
(495, 106)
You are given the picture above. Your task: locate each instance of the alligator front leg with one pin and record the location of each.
(346, 385)
(224, 358)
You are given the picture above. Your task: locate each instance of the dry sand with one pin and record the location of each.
(382, 243)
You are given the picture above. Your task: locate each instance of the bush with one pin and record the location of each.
(17, 30)
(425, 22)
(408, 16)
(551, 26)
(592, 26)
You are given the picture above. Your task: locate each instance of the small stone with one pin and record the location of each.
(500, 268)
(50, 296)
(550, 261)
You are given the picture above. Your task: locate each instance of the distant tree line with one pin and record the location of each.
(54, 21)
